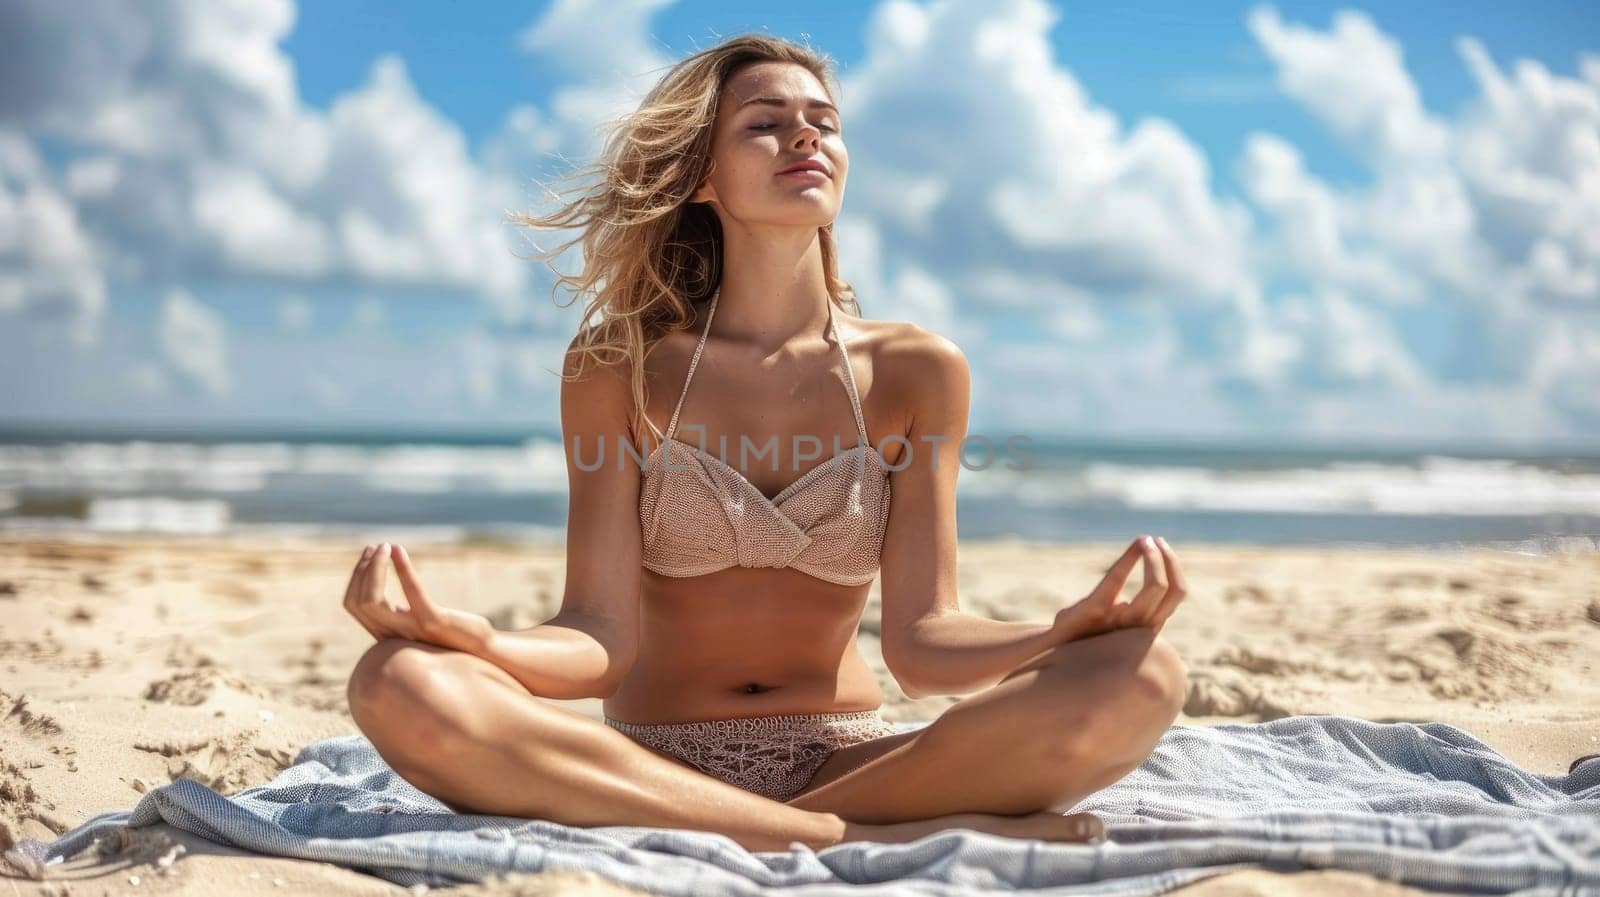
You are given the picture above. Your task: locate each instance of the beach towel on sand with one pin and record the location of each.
(1425, 805)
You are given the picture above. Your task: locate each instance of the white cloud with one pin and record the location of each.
(1497, 210)
(1312, 233)
(194, 342)
(407, 201)
(1529, 157)
(1353, 77)
(1344, 344)
(1037, 175)
(566, 35)
(610, 68)
(1083, 262)
(46, 264)
(201, 158)
(253, 228)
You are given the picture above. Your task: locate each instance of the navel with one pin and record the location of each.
(753, 688)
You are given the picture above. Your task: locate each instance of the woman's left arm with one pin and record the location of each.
(930, 645)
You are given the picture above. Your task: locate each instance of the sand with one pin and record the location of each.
(126, 662)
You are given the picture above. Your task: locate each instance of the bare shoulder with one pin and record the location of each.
(921, 384)
(919, 366)
(595, 396)
(904, 343)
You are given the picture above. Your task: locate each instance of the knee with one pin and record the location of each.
(390, 689)
(1164, 677)
(1131, 701)
(1139, 664)
(392, 665)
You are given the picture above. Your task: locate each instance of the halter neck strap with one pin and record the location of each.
(833, 328)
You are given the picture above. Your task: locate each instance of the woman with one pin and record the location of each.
(713, 601)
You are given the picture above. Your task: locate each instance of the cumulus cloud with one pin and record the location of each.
(565, 34)
(46, 266)
(1496, 212)
(1529, 156)
(194, 342)
(1083, 262)
(1045, 207)
(197, 157)
(1353, 77)
(1038, 178)
(1312, 229)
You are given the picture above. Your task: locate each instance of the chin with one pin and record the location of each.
(808, 208)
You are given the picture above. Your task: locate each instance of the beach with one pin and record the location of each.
(129, 660)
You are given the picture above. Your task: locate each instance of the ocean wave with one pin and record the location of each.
(1436, 485)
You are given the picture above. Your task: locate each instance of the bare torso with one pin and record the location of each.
(757, 641)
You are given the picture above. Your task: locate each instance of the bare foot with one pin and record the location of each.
(1045, 826)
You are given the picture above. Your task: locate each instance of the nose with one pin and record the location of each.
(807, 135)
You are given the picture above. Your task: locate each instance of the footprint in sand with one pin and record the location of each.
(1457, 662)
(1408, 579)
(184, 655)
(16, 713)
(1401, 613)
(1248, 592)
(1262, 661)
(24, 812)
(1223, 693)
(319, 683)
(224, 764)
(233, 591)
(194, 687)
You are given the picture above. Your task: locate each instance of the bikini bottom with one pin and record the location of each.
(774, 756)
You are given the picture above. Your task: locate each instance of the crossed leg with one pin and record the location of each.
(1058, 728)
(468, 733)
(1066, 723)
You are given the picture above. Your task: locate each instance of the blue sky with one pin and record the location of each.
(1312, 223)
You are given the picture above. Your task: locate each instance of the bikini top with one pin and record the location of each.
(700, 515)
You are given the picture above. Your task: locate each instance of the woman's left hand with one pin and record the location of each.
(1100, 611)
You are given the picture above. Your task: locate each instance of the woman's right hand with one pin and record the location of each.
(1102, 610)
(415, 616)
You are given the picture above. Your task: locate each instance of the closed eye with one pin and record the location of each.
(771, 125)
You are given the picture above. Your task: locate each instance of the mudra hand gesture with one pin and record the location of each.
(414, 616)
(1102, 611)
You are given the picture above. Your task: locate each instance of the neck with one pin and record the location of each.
(773, 289)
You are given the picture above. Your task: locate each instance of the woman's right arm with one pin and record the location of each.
(591, 643)
(586, 649)
(567, 657)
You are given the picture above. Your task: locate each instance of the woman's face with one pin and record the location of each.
(770, 116)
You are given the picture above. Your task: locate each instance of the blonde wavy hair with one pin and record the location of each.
(649, 254)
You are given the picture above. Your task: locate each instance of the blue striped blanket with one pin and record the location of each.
(1425, 805)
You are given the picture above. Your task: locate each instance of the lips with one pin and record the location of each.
(807, 165)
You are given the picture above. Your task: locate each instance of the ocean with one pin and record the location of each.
(453, 487)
